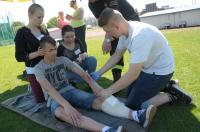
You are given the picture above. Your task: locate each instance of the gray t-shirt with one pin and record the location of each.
(55, 73)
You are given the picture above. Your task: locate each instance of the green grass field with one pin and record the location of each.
(176, 118)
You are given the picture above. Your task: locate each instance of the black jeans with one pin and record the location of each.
(114, 46)
(80, 34)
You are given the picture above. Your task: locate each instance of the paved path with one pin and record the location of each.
(94, 33)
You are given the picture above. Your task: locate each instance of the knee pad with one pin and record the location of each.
(114, 107)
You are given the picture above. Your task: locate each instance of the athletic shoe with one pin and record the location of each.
(115, 129)
(145, 116)
(177, 94)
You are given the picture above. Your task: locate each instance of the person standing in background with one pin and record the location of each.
(77, 22)
(61, 22)
(110, 42)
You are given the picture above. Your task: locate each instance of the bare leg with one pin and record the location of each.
(160, 99)
(86, 122)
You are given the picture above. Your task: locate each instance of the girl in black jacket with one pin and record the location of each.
(27, 46)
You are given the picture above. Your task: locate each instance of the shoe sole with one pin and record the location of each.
(120, 129)
(151, 111)
(187, 97)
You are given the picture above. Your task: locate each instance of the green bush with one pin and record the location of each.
(52, 23)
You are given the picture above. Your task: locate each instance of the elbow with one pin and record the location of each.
(19, 59)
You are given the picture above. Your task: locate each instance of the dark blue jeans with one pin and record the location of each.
(144, 88)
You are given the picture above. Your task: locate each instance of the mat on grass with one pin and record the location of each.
(25, 105)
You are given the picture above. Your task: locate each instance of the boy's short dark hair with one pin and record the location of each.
(47, 39)
(67, 28)
(105, 16)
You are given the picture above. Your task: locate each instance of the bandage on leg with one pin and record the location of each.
(114, 107)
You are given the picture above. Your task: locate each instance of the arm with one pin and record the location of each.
(106, 46)
(21, 54)
(131, 75)
(96, 8)
(79, 15)
(112, 61)
(52, 92)
(69, 110)
(94, 86)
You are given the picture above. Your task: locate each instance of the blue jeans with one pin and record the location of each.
(144, 88)
(89, 65)
(77, 98)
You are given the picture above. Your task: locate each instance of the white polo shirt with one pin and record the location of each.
(147, 45)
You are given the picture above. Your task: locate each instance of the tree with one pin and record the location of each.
(17, 25)
(52, 23)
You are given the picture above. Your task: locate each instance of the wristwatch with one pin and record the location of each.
(108, 40)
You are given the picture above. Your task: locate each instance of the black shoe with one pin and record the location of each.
(177, 95)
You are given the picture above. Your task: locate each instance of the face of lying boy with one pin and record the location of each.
(50, 51)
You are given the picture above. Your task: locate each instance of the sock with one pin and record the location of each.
(135, 116)
(105, 128)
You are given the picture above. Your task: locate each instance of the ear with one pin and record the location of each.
(116, 26)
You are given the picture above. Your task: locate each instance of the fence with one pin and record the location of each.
(6, 31)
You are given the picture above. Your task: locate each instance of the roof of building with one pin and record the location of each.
(169, 11)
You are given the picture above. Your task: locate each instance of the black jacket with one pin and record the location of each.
(122, 6)
(25, 43)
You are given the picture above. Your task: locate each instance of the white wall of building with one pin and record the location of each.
(190, 18)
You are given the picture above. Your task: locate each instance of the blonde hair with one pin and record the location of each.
(33, 8)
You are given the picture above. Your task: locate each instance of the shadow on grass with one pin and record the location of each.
(176, 118)
(13, 122)
(21, 77)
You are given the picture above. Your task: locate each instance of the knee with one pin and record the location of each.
(97, 103)
(92, 59)
(59, 112)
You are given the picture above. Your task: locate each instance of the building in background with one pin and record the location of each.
(173, 18)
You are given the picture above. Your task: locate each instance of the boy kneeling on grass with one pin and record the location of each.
(60, 95)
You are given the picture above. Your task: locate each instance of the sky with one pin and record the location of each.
(18, 11)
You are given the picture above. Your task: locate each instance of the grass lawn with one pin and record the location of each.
(176, 118)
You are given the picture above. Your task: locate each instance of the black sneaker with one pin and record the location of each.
(145, 116)
(169, 85)
(177, 94)
(115, 129)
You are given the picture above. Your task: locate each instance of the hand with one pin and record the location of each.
(40, 52)
(96, 88)
(106, 46)
(95, 75)
(83, 56)
(74, 115)
(78, 60)
(103, 94)
(68, 17)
